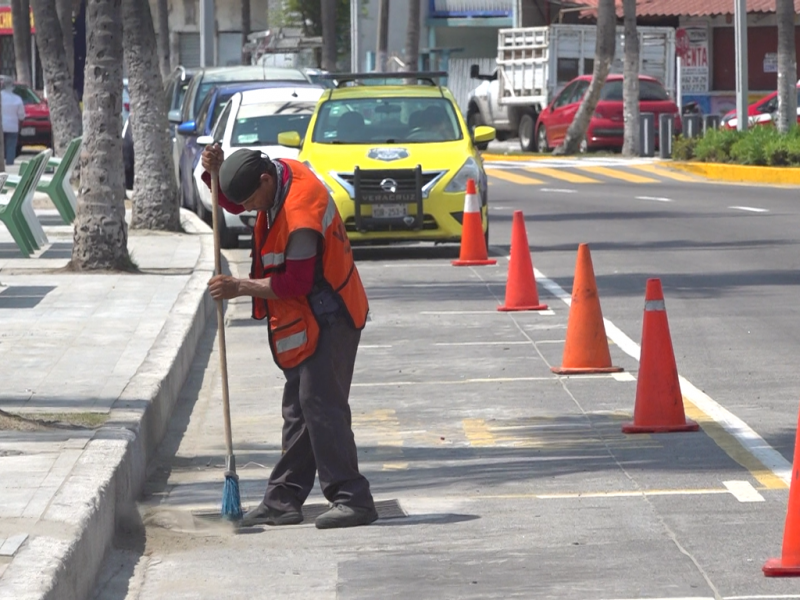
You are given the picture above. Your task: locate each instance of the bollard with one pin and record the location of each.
(691, 125)
(666, 126)
(647, 134)
(710, 122)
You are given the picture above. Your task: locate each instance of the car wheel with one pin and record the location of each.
(228, 238)
(526, 127)
(200, 209)
(474, 120)
(541, 140)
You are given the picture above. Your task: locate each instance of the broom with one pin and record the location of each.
(231, 501)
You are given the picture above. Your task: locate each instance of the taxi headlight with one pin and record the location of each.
(325, 183)
(469, 170)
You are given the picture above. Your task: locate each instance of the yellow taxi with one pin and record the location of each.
(395, 156)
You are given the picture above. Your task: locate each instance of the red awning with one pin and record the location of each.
(688, 8)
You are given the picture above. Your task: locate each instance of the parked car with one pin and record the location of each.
(189, 131)
(606, 127)
(760, 112)
(36, 129)
(253, 119)
(205, 79)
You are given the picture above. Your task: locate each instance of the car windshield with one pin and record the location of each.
(387, 120)
(27, 94)
(260, 124)
(648, 91)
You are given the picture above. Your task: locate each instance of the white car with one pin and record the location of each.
(253, 119)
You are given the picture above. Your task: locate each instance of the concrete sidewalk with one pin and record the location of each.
(91, 366)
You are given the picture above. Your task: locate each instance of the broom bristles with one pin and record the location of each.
(231, 502)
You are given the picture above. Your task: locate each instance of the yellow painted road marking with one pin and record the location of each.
(664, 172)
(513, 177)
(562, 175)
(477, 432)
(615, 494)
(618, 174)
(382, 428)
(731, 446)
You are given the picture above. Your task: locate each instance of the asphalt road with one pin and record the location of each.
(512, 482)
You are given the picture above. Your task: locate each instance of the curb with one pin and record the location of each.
(741, 173)
(490, 157)
(100, 492)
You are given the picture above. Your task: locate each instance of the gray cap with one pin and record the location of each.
(240, 174)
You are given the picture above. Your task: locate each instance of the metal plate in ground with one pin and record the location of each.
(23, 296)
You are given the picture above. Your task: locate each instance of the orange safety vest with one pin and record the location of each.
(293, 327)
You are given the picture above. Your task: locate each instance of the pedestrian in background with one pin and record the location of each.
(13, 115)
(304, 281)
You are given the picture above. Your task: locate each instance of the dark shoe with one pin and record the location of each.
(264, 515)
(342, 515)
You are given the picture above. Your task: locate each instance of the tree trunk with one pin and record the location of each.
(21, 22)
(787, 66)
(64, 9)
(162, 14)
(329, 35)
(383, 36)
(630, 89)
(246, 25)
(604, 55)
(65, 115)
(412, 36)
(101, 235)
(3, 153)
(155, 192)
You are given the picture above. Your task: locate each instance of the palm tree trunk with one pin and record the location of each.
(787, 66)
(64, 9)
(162, 15)
(604, 55)
(329, 34)
(155, 192)
(412, 35)
(101, 235)
(383, 36)
(21, 22)
(2, 154)
(65, 115)
(630, 89)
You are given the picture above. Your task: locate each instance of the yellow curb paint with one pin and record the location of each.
(665, 172)
(513, 177)
(477, 432)
(618, 174)
(731, 446)
(562, 175)
(742, 173)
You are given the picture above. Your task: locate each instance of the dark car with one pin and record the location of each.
(36, 129)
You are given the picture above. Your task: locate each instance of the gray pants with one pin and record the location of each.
(317, 432)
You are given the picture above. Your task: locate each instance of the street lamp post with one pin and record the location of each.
(354, 49)
(740, 32)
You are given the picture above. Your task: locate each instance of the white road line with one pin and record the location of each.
(653, 198)
(743, 491)
(515, 343)
(482, 312)
(559, 190)
(623, 376)
(749, 209)
(769, 597)
(369, 346)
(501, 208)
(746, 436)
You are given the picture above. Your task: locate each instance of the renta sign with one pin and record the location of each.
(691, 44)
(6, 24)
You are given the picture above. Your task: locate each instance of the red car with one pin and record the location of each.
(760, 112)
(606, 127)
(35, 130)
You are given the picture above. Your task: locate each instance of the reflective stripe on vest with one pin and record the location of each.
(291, 342)
(330, 213)
(272, 259)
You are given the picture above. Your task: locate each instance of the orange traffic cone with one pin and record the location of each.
(473, 244)
(586, 350)
(659, 402)
(521, 291)
(788, 565)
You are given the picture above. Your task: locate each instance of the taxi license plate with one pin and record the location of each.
(389, 211)
(27, 131)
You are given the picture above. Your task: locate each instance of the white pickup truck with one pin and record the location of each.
(535, 63)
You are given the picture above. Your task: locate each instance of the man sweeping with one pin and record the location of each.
(304, 280)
